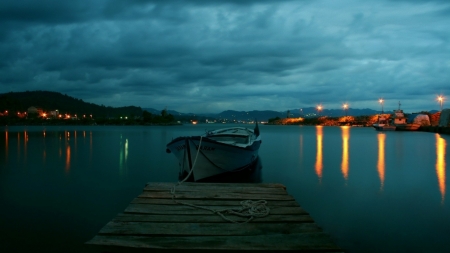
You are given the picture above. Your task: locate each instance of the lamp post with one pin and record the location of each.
(441, 100)
(345, 108)
(381, 102)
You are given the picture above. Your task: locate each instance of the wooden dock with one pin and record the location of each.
(153, 222)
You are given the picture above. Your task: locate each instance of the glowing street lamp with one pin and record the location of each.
(319, 108)
(381, 102)
(441, 100)
(345, 108)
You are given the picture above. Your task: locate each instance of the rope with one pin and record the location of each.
(249, 209)
(215, 165)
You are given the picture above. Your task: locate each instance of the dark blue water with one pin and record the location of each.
(373, 192)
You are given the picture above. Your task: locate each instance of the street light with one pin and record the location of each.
(345, 108)
(381, 102)
(441, 100)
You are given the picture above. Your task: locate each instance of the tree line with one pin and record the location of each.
(13, 106)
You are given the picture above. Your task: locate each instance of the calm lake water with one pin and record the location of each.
(372, 191)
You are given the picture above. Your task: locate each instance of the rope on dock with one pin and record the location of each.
(249, 209)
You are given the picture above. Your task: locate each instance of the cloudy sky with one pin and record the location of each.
(212, 55)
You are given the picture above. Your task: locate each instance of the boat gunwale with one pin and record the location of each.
(246, 146)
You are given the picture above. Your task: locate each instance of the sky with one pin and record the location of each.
(208, 56)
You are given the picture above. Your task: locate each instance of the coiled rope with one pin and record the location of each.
(249, 209)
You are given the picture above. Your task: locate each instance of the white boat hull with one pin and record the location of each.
(214, 157)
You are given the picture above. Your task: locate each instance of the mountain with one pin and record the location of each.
(50, 101)
(313, 112)
(232, 115)
(249, 115)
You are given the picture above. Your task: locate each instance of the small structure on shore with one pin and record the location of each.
(419, 118)
(444, 119)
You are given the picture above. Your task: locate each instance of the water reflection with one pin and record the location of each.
(6, 145)
(251, 174)
(18, 146)
(345, 138)
(25, 144)
(67, 157)
(90, 147)
(44, 150)
(67, 147)
(381, 163)
(123, 154)
(319, 161)
(440, 164)
(301, 149)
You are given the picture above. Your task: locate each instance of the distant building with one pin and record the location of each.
(35, 110)
(434, 118)
(54, 114)
(444, 119)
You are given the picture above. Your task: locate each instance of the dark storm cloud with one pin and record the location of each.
(218, 55)
(46, 11)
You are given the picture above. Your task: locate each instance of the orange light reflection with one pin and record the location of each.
(345, 138)
(25, 142)
(67, 158)
(319, 162)
(381, 162)
(440, 164)
(18, 146)
(6, 145)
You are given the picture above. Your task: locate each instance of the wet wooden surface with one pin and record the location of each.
(154, 222)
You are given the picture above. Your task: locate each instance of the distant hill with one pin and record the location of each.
(249, 115)
(312, 112)
(51, 101)
(232, 115)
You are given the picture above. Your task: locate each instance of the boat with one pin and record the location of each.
(383, 124)
(216, 152)
(401, 122)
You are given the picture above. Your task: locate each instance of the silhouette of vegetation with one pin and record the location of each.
(273, 120)
(70, 111)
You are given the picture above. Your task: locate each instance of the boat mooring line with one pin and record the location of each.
(249, 208)
(215, 165)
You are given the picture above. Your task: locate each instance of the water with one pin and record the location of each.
(372, 191)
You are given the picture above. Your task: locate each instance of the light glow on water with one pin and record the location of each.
(6, 144)
(123, 154)
(319, 154)
(381, 162)
(345, 147)
(67, 158)
(440, 164)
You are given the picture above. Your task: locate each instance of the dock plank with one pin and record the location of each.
(154, 221)
(205, 229)
(188, 210)
(211, 202)
(229, 185)
(214, 195)
(211, 218)
(309, 242)
(216, 188)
